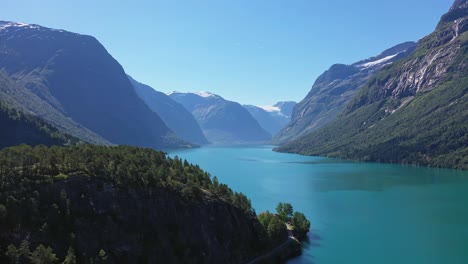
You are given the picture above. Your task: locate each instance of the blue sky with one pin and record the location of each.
(250, 51)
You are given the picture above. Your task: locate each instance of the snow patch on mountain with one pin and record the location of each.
(377, 62)
(270, 108)
(205, 94)
(7, 25)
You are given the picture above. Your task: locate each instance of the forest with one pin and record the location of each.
(49, 197)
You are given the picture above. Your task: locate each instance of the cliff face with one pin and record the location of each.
(148, 225)
(413, 111)
(440, 56)
(334, 89)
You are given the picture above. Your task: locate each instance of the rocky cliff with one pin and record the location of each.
(413, 111)
(334, 89)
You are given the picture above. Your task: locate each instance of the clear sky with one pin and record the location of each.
(251, 51)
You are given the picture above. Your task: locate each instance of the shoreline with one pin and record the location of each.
(291, 248)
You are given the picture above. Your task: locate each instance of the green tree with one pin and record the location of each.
(301, 225)
(13, 254)
(274, 227)
(285, 211)
(19, 255)
(43, 255)
(70, 258)
(3, 212)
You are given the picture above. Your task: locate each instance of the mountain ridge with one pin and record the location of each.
(334, 89)
(272, 118)
(413, 111)
(76, 76)
(174, 115)
(222, 121)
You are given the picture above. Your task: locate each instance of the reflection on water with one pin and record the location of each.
(360, 212)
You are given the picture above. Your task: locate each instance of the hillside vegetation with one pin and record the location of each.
(121, 204)
(414, 111)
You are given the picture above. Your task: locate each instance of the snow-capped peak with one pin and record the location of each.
(173, 92)
(7, 24)
(205, 94)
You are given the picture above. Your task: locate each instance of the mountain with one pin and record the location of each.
(414, 111)
(20, 127)
(272, 118)
(20, 98)
(334, 89)
(174, 115)
(82, 82)
(222, 121)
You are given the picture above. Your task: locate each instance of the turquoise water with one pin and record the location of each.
(360, 212)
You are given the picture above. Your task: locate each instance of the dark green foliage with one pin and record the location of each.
(122, 166)
(70, 258)
(50, 192)
(275, 224)
(301, 225)
(41, 255)
(285, 211)
(20, 128)
(274, 227)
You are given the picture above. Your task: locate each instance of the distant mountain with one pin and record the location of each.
(176, 117)
(79, 79)
(272, 118)
(413, 111)
(334, 89)
(222, 121)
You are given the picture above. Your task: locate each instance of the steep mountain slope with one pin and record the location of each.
(222, 121)
(20, 98)
(272, 118)
(76, 76)
(414, 111)
(20, 128)
(334, 89)
(176, 117)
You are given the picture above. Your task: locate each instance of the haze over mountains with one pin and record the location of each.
(172, 113)
(272, 118)
(222, 121)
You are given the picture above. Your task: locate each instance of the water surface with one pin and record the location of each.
(360, 212)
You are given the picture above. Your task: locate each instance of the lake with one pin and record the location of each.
(359, 212)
